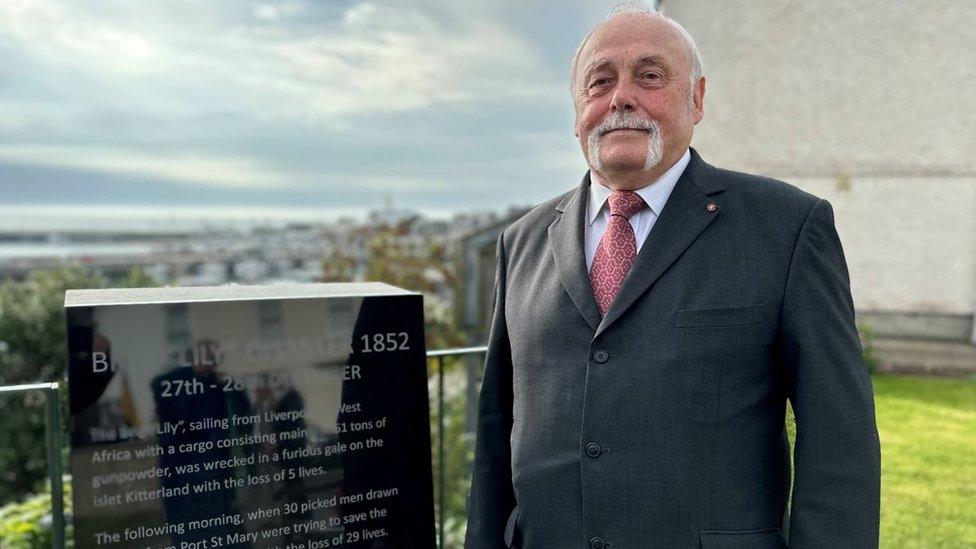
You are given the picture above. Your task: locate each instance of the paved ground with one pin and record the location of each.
(927, 357)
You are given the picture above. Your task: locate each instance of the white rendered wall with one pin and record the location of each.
(867, 104)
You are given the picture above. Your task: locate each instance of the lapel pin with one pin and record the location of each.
(711, 206)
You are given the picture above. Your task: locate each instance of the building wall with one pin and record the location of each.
(865, 104)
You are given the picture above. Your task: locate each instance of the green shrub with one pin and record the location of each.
(871, 358)
(27, 524)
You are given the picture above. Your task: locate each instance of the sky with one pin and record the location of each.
(229, 106)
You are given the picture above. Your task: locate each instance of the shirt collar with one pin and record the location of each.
(655, 194)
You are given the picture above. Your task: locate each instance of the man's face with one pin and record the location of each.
(634, 74)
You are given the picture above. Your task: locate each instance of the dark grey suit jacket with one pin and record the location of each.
(662, 423)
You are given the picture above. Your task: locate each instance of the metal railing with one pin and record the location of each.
(52, 421)
(440, 355)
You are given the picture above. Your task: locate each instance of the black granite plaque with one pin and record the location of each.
(290, 417)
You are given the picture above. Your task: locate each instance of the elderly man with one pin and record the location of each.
(649, 327)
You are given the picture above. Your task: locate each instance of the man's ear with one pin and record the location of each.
(576, 115)
(698, 100)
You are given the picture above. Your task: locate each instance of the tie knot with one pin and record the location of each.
(625, 203)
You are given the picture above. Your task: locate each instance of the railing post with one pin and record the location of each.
(53, 405)
(440, 451)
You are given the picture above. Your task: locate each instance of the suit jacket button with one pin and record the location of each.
(601, 356)
(593, 449)
(596, 542)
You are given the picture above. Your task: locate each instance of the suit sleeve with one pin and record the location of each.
(837, 458)
(492, 496)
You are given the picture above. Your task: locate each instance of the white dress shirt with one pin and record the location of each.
(655, 195)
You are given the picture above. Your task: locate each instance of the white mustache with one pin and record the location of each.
(621, 120)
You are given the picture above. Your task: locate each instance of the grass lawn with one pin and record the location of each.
(928, 461)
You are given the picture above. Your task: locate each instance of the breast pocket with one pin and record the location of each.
(716, 347)
(721, 316)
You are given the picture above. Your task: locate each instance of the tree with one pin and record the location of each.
(391, 260)
(33, 348)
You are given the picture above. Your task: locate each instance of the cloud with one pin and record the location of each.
(272, 11)
(206, 170)
(243, 97)
(365, 59)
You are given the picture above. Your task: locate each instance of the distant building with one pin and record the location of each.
(392, 218)
(474, 263)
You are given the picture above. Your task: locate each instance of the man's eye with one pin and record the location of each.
(599, 82)
(651, 76)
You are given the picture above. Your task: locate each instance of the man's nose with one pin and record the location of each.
(623, 97)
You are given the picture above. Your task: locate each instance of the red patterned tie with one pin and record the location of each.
(617, 249)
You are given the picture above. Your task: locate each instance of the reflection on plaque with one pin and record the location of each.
(290, 417)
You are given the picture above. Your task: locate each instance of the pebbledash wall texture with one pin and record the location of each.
(868, 104)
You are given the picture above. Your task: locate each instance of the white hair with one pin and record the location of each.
(694, 54)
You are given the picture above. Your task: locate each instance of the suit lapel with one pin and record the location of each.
(566, 242)
(684, 217)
